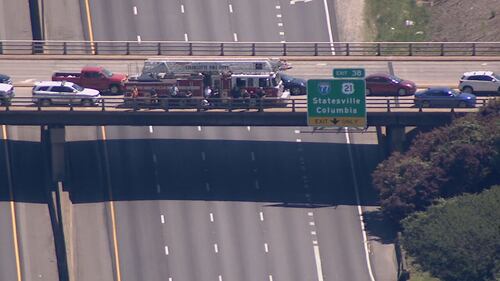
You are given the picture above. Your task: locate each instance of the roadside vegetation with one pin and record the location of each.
(422, 191)
(396, 21)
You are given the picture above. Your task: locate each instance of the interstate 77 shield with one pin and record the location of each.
(336, 103)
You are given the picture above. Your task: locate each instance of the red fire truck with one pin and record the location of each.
(168, 80)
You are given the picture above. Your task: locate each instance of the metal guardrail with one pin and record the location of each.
(181, 48)
(114, 104)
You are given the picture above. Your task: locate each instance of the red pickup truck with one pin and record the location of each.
(94, 77)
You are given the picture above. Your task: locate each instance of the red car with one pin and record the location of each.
(382, 84)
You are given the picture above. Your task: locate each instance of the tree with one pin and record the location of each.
(448, 161)
(458, 239)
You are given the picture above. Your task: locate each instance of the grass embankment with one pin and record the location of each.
(385, 20)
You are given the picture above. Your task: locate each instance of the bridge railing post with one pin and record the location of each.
(388, 105)
(103, 104)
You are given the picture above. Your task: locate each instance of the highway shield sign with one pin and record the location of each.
(336, 103)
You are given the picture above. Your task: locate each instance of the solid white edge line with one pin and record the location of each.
(360, 211)
(328, 23)
(135, 10)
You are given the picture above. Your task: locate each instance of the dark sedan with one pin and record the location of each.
(5, 79)
(444, 97)
(296, 86)
(382, 84)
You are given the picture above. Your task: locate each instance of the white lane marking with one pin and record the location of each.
(283, 41)
(158, 188)
(216, 248)
(360, 211)
(182, 8)
(313, 232)
(261, 214)
(257, 186)
(203, 156)
(328, 23)
(311, 223)
(270, 277)
(28, 81)
(280, 24)
(299, 140)
(315, 242)
(248, 128)
(186, 37)
(135, 10)
(266, 248)
(235, 36)
(154, 158)
(321, 64)
(139, 38)
(297, 131)
(318, 263)
(199, 128)
(220, 278)
(151, 129)
(230, 8)
(169, 278)
(252, 154)
(207, 186)
(166, 250)
(278, 15)
(278, 7)
(484, 63)
(310, 214)
(282, 33)
(211, 217)
(292, 2)
(162, 219)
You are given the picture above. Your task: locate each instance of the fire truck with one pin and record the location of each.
(187, 81)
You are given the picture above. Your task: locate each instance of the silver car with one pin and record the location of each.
(6, 93)
(65, 93)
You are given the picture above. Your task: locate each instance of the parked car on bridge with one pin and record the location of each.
(6, 93)
(296, 86)
(61, 92)
(444, 97)
(5, 79)
(480, 82)
(382, 84)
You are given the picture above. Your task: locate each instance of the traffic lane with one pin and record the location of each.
(34, 225)
(305, 22)
(207, 20)
(159, 20)
(26, 72)
(256, 21)
(8, 269)
(90, 240)
(112, 20)
(15, 25)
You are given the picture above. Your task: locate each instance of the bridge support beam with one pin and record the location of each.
(395, 138)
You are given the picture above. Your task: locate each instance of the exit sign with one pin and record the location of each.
(348, 73)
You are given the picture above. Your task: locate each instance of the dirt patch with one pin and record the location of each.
(464, 20)
(350, 20)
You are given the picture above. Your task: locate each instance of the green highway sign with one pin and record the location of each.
(349, 73)
(336, 103)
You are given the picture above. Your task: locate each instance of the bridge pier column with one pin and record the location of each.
(55, 136)
(396, 138)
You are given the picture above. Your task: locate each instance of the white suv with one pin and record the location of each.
(61, 92)
(480, 82)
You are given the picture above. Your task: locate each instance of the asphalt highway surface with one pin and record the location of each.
(212, 20)
(197, 203)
